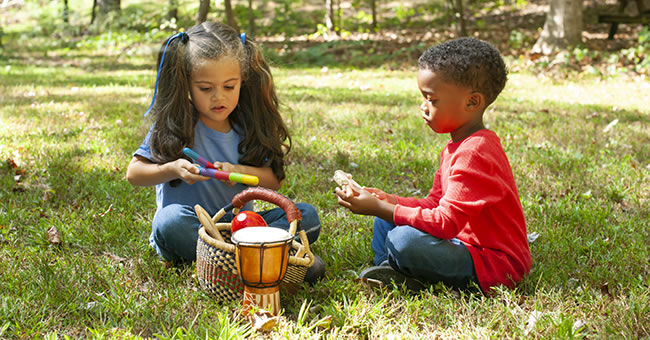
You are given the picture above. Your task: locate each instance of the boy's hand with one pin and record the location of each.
(382, 196)
(366, 204)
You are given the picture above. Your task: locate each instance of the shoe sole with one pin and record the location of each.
(387, 275)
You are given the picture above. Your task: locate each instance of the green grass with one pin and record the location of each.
(71, 115)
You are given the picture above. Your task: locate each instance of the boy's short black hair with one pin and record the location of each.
(468, 62)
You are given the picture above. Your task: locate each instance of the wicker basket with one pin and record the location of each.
(216, 268)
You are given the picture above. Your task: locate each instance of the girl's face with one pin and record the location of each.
(214, 89)
(444, 108)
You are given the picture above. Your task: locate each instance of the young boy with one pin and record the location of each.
(471, 227)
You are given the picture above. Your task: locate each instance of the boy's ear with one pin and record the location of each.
(475, 100)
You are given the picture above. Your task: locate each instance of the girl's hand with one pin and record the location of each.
(187, 171)
(380, 195)
(225, 166)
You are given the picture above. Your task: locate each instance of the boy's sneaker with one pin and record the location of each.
(385, 274)
(316, 271)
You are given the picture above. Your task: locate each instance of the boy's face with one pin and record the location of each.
(445, 107)
(214, 89)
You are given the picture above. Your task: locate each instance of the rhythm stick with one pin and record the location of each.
(230, 176)
(195, 156)
(210, 170)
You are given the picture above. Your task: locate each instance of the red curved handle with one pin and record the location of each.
(259, 193)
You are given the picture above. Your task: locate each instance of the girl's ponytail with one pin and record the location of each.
(266, 139)
(172, 112)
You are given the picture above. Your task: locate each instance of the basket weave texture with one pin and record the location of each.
(216, 267)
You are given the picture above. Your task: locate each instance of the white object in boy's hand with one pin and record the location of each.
(345, 181)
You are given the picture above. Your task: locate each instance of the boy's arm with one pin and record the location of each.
(469, 190)
(366, 204)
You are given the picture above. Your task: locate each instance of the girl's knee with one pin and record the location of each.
(310, 221)
(173, 219)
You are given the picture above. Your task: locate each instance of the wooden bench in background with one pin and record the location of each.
(621, 18)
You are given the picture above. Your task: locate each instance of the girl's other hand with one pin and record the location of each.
(380, 195)
(225, 166)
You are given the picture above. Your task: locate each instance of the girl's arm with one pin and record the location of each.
(143, 172)
(266, 175)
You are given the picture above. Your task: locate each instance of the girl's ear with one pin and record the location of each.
(475, 101)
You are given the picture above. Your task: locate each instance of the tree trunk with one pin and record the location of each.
(339, 19)
(105, 8)
(172, 12)
(329, 16)
(563, 27)
(66, 12)
(460, 15)
(230, 16)
(204, 8)
(251, 18)
(93, 12)
(373, 11)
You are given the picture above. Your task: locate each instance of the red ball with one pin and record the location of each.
(245, 219)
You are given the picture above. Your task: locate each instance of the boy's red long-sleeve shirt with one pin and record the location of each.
(474, 199)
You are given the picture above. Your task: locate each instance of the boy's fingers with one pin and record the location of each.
(344, 203)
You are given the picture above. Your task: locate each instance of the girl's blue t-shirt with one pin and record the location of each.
(212, 194)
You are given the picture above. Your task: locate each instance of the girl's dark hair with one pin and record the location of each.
(265, 137)
(470, 63)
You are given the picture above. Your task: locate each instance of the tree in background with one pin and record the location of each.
(458, 11)
(251, 19)
(230, 16)
(103, 9)
(563, 27)
(373, 12)
(329, 16)
(204, 8)
(172, 11)
(66, 12)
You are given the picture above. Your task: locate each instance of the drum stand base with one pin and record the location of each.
(264, 298)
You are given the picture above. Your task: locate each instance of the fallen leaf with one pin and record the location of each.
(263, 320)
(578, 325)
(110, 208)
(532, 237)
(610, 125)
(115, 258)
(532, 321)
(53, 236)
(324, 323)
(12, 164)
(604, 289)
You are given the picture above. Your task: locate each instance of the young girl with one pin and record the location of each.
(214, 94)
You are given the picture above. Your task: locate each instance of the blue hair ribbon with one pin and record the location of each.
(184, 37)
(243, 38)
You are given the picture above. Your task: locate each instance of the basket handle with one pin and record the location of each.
(268, 195)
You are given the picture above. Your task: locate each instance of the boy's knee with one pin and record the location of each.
(401, 242)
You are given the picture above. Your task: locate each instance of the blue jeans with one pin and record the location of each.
(420, 255)
(175, 229)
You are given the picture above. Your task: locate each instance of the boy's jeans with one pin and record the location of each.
(175, 229)
(420, 255)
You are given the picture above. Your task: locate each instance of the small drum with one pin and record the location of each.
(262, 255)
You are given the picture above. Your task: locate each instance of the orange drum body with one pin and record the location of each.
(262, 255)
